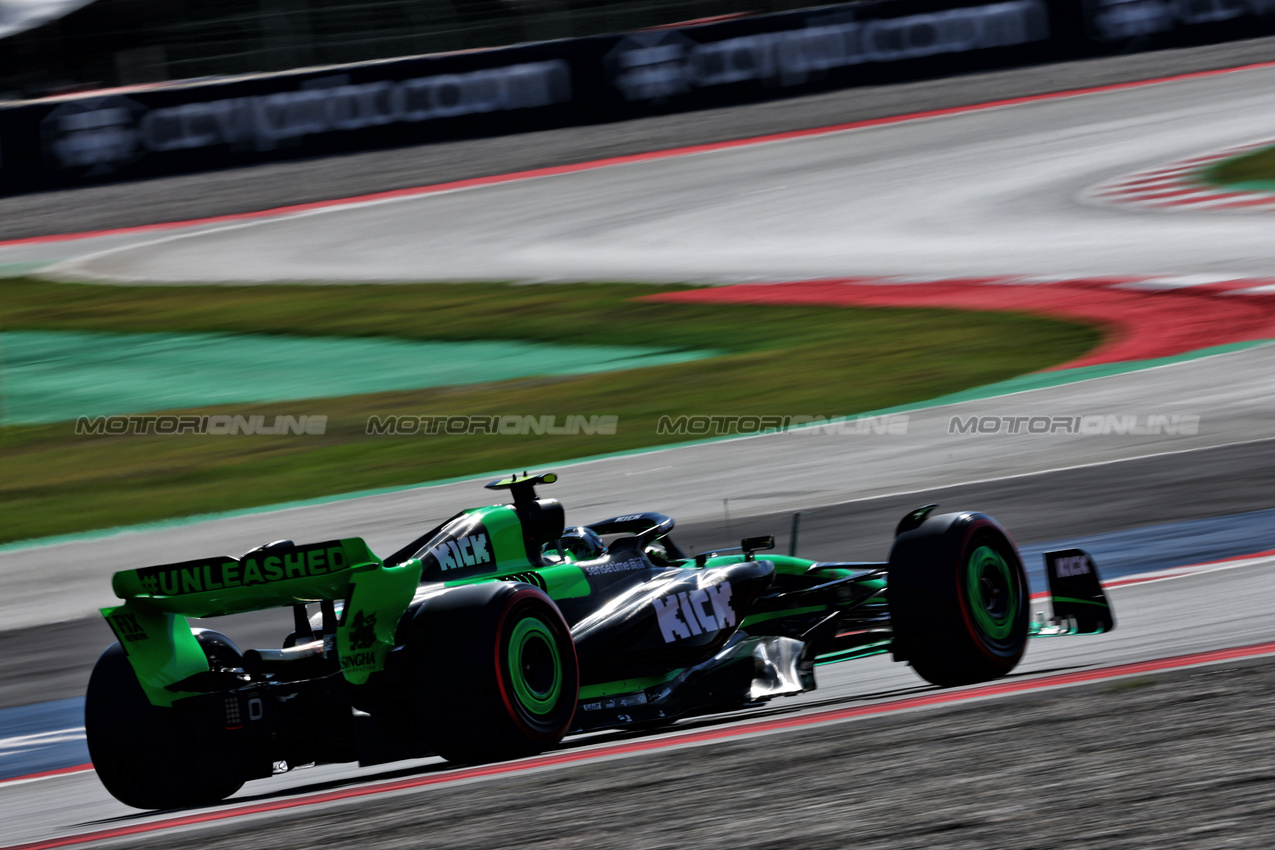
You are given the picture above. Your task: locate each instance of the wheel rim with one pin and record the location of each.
(992, 592)
(535, 666)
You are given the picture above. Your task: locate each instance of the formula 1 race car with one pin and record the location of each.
(501, 631)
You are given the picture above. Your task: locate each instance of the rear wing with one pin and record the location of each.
(1075, 589)
(151, 625)
(269, 577)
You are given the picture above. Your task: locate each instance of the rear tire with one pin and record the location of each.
(493, 672)
(150, 757)
(959, 600)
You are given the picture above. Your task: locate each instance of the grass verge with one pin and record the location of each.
(776, 361)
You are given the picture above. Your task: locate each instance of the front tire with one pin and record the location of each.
(493, 672)
(150, 757)
(959, 600)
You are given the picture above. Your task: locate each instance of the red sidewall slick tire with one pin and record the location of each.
(493, 672)
(531, 670)
(959, 600)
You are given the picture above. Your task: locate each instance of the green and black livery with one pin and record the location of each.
(490, 638)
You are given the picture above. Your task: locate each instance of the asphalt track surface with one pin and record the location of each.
(990, 192)
(46, 662)
(950, 784)
(1224, 609)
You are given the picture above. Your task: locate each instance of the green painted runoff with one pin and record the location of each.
(52, 376)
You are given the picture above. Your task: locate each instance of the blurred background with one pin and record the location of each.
(62, 46)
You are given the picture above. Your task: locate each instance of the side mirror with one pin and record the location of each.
(756, 544)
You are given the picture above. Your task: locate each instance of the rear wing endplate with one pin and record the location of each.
(151, 625)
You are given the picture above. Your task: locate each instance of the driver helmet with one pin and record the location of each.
(581, 543)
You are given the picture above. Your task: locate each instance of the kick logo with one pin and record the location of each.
(1075, 565)
(692, 613)
(462, 552)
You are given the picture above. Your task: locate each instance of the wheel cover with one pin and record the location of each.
(535, 666)
(992, 593)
